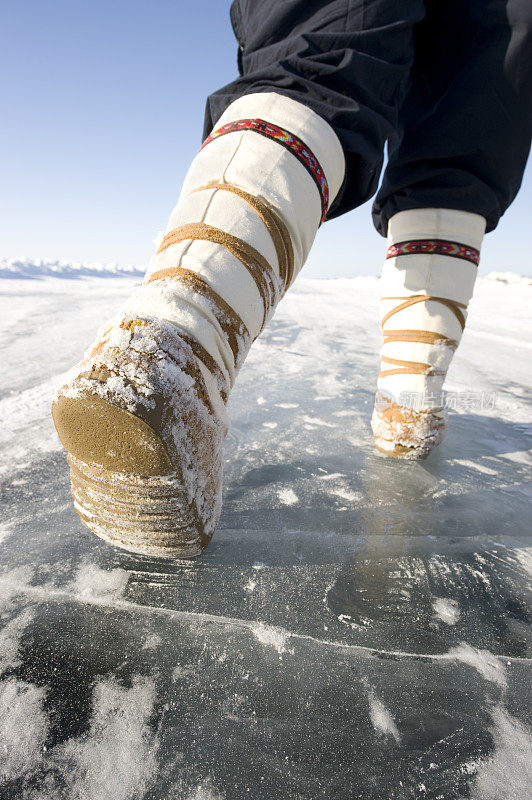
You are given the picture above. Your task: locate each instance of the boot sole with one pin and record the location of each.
(125, 488)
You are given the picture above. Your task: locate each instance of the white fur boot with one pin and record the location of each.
(143, 416)
(427, 281)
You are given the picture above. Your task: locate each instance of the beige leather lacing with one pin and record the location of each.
(424, 337)
(205, 357)
(255, 263)
(268, 285)
(98, 347)
(230, 322)
(276, 228)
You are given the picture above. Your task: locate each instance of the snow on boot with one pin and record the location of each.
(143, 416)
(427, 281)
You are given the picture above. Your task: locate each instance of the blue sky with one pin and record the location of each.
(103, 110)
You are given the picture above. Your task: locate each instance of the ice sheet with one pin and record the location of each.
(358, 628)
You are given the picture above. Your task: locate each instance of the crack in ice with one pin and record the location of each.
(48, 593)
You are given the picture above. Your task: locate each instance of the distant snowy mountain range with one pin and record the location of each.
(35, 268)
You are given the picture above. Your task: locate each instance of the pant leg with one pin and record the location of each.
(464, 129)
(349, 60)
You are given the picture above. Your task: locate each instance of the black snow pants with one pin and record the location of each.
(447, 83)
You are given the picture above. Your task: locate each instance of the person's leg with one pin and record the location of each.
(347, 60)
(455, 164)
(143, 415)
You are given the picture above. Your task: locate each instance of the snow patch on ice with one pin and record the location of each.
(10, 637)
(152, 641)
(287, 497)
(270, 636)
(510, 768)
(23, 728)
(381, 718)
(446, 610)
(524, 556)
(331, 476)
(6, 529)
(318, 421)
(25, 423)
(93, 582)
(14, 582)
(346, 494)
(117, 758)
(490, 666)
(182, 671)
(205, 791)
(476, 465)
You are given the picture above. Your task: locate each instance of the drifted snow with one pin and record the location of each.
(508, 773)
(446, 610)
(288, 497)
(118, 757)
(490, 667)
(381, 719)
(271, 637)
(93, 582)
(23, 728)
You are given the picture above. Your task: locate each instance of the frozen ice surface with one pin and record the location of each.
(358, 628)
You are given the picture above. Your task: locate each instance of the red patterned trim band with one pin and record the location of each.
(289, 140)
(437, 246)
